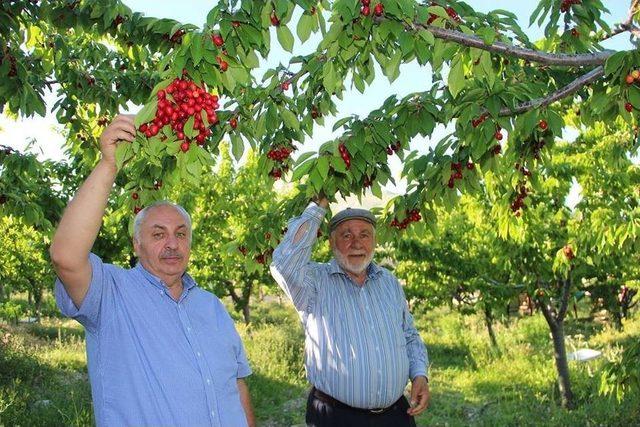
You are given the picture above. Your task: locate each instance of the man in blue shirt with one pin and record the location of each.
(160, 350)
(361, 345)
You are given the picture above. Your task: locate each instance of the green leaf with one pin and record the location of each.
(456, 76)
(197, 48)
(188, 128)
(426, 35)
(237, 146)
(302, 170)
(290, 119)
(329, 76)
(304, 27)
(323, 166)
(147, 113)
(614, 63)
(340, 123)
(487, 34)
(285, 37)
(634, 96)
(123, 154)
(392, 68)
(304, 157)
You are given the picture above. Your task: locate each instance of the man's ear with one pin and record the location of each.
(136, 247)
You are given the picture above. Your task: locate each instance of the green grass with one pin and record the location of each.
(43, 378)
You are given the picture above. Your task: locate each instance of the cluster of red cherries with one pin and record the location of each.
(344, 153)
(280, 155)
(450, 11)
(378, 9)
(456, 172)
(178, 102)
(566, 5)
(393, 148)
(412, 216)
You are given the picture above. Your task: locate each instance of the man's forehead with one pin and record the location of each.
(354, 225)
(161, 216)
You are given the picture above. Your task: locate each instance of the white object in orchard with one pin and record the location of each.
(584, 354)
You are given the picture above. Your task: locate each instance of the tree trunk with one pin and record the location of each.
(488, 320)
(562, 366)
(246, 314)
(555, 320)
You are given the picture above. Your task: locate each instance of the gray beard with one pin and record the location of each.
(356, 269)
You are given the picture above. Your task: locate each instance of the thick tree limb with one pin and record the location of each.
(561, 93)
(562, 59)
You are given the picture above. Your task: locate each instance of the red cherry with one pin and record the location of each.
(137, 209)
(135, 196)
(366, 11)
(470, 165)
(184, 147)
(284, 85)
(542, 124)
(629, 79)
(498, 135)
(274, 20)
(235, 24)
(217, 40)
(378, 10)
(233, 123)
(365, 2)
(628, 107)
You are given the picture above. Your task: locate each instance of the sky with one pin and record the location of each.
(48, 140)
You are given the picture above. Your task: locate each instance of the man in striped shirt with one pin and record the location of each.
(361, 345)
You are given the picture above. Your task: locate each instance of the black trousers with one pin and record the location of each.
(323, 413)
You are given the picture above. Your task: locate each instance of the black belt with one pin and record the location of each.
(324, 397)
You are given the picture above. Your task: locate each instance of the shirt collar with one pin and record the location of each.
(372, 270)
(187, 280)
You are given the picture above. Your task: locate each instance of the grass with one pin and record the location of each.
(43, 377)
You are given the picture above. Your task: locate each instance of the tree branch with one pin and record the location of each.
(561, 93)
(627, 24)
(563, 59)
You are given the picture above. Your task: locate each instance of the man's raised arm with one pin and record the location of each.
(292, 256)
(82, 218)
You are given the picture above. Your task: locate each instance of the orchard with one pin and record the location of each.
(491, 147)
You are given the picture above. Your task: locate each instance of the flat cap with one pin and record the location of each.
(351, 213)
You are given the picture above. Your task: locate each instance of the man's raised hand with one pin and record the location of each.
(121, 128)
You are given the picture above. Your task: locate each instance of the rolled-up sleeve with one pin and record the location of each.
(88, 314)
(292, 259)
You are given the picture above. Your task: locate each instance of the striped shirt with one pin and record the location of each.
(361, 345)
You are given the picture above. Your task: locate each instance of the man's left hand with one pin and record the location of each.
(419, 396)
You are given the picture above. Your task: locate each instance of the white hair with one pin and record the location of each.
(140, 217)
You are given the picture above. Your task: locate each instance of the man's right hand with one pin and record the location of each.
(321, 200)
(121, 128)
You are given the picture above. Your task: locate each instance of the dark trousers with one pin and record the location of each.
(324, 411)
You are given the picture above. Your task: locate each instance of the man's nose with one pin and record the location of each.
(171, 242)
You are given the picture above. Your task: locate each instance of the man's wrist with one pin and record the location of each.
(421, 375)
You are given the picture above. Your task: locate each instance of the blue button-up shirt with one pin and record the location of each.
(361, 345)
(154, 361)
